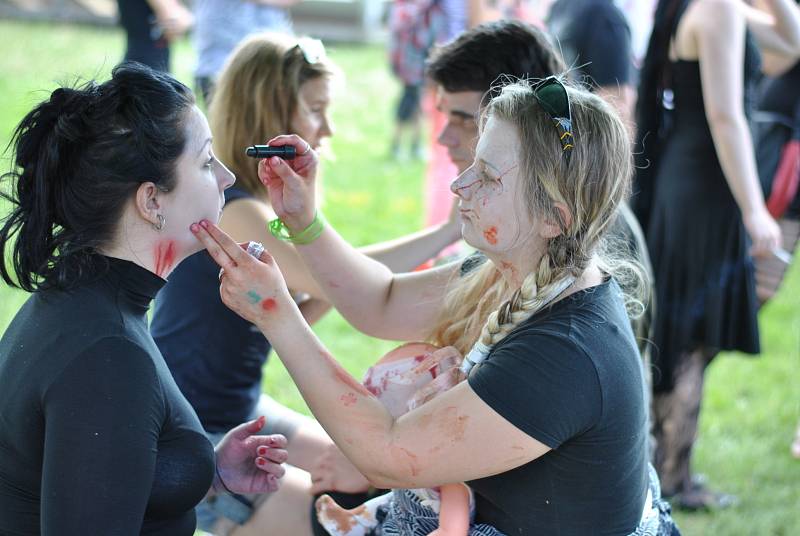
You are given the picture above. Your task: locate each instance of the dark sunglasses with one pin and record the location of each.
(551, 94)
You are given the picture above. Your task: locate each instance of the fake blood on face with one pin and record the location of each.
(490, 235)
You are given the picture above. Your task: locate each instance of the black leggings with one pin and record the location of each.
(675, 418)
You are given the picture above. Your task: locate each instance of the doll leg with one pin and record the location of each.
(356, 522)
(454, 510)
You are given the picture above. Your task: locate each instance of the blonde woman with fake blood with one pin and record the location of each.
(549, 429)
(96, 436)
(271, 84)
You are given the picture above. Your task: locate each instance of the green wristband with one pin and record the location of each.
(280, 231)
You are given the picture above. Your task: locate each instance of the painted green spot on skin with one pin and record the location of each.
(253, 297)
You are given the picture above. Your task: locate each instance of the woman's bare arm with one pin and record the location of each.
(436, 443)
(372, 298)
(408, 252)
(366, 292)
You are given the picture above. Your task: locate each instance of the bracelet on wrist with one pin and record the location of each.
(219, 477)
(280, 231)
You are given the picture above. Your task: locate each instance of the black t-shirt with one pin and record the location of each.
(594, 39)
(571, 378)
(95, 437)
(215, 355)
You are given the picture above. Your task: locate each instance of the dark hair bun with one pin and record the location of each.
(79, 156)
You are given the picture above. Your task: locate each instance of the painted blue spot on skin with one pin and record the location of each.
(253, 297)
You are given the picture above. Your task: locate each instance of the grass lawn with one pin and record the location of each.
(751, 405)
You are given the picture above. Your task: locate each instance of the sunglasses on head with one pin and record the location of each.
(313, 50)
(552, 96)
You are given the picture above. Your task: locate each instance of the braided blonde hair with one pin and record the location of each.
(591, 186)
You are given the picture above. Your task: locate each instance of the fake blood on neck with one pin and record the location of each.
(164, 257)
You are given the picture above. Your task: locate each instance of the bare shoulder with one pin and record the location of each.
(248, 215)
(714, 14)
(718, 4)
(709, 23)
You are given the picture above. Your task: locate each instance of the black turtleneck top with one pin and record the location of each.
(95, 437)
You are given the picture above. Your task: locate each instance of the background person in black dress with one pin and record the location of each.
(150, 27)
(701, 205)
(96, 438)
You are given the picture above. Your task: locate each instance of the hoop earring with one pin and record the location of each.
(161, 221)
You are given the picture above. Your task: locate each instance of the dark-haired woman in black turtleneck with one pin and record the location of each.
(95, 437)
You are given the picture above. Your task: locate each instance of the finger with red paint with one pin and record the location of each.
(246, 429)
(250, 463)
(272, 453)
(272, 468)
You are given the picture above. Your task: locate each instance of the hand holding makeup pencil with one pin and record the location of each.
(291, 184)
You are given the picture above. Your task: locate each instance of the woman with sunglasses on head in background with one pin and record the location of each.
(549, 428)
(271, 84)
(701, 206)
(96, 438)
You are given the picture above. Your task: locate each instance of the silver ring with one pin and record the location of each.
(221, 273)
(255, 249)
